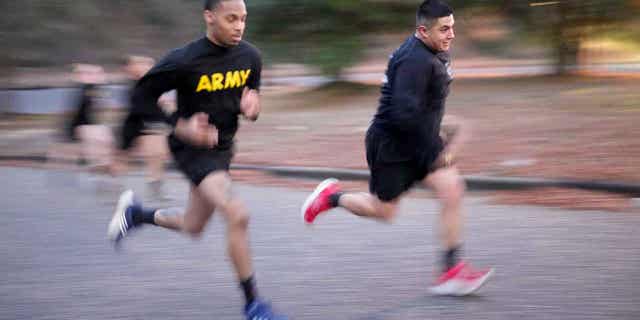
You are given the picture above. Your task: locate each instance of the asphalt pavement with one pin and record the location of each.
(57, 263)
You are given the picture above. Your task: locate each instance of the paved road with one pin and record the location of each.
(551, 264)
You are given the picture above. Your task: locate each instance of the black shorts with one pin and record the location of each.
(135, 127)
(69, 135)
(395, 166)
(198, 163)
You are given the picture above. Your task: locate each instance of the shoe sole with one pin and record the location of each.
(456, 288)
(125, 200)
(313, 195)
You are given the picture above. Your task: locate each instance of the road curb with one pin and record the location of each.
(474, 182)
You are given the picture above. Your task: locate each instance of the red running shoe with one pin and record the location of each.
(461, 280)
(318, 202)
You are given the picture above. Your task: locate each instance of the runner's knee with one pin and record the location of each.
(453, 192)
(237, 215)
(192, 226)
(193, 229)
(388, 211)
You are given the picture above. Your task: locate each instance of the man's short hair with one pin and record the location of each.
(430, 10)
(211, 4)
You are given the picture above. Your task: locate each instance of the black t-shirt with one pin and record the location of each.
(84, 113)
(413, 96)
(207, 78)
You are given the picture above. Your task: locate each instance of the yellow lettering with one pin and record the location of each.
(204, 84)
(232, 79)
(245, 74)
(220, 81)
(216, 81)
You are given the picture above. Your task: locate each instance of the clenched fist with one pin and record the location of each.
(197, 131)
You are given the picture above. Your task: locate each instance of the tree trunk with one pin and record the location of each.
(566, 40)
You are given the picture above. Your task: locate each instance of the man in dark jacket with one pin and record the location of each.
(405, 145)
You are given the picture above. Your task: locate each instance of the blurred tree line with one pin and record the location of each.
(38, 33)
(562, 25)
(329, 34)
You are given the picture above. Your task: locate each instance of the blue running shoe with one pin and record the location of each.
(260, 310)
(122, 220)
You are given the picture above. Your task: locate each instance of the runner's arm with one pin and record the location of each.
(250, 102)
(455, 132)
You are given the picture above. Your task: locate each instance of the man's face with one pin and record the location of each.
(88, 74)
(227, 21)
(440, 35)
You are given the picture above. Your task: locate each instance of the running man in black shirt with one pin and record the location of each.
(96, 140)
(143, 135)
(404, 145)
(217, 79)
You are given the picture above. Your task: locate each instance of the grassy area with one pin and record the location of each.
(570, 93)
(330, 96)
(340, 89)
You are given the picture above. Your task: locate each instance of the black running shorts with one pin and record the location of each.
(395, 166)
(135, 127)
(198, 163)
